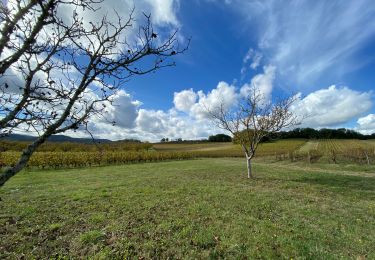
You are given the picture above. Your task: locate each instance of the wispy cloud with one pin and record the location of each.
(251, 60)
(306, 39)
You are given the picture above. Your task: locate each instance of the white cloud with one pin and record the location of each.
(248, 56)
(152, 121)
(223, 95)
(164, 11)
(184, 100)
(262, 82)
(163, 16)
(159, 124)
(153, 125)
(332, 106)
(256, 61)
(254, 58)
(305, 39)
(124, 110)
(366, 125)
(327, 107)
(147, 124)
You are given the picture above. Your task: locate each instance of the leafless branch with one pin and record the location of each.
(56, 75)
(254, 118)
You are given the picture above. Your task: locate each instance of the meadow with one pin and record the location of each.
(311, 199)
(203, 208)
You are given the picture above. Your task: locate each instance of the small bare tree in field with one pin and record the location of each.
(253, 119)
(55, 73)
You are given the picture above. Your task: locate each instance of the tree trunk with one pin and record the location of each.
(25, 157)
(249, 172)
(367, 158)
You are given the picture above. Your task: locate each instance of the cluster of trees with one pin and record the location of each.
(324, 133)
(304, 133)
(180, 140)
(211, 138)
(166, 140)
(309, 133)
(220, 138)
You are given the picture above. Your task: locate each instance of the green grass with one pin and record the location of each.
(193, 147)
(208, 149)
(309, 145)
(191, 209)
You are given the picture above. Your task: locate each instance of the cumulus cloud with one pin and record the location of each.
(198, 104)
(147, 124)
(184, 100)
(124, 110)
(223, 95)
(329, 107)
(366, 125)
(152, 121)
(262, 82)
(153, 125)
(332, 106)
(159, 124)
(134, 122)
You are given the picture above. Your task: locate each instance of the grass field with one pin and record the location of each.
(232, 150)
(268, 148)
(203, 208)
(188, 147)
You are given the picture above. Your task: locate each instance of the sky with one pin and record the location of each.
(322, 51)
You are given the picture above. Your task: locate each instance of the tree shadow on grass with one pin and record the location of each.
(342, 182)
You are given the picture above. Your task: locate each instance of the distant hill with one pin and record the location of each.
(53, 138)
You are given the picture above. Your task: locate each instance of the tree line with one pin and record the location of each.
(323, 133)
(303, 133)
(311, 133)
(212, 138)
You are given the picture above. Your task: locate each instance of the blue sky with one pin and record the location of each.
(212, 56)
(223, 33)
(322, 51)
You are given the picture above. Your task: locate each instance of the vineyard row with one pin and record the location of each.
(55, 160)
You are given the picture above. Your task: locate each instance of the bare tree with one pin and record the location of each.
(253, 119)
(56, 74)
